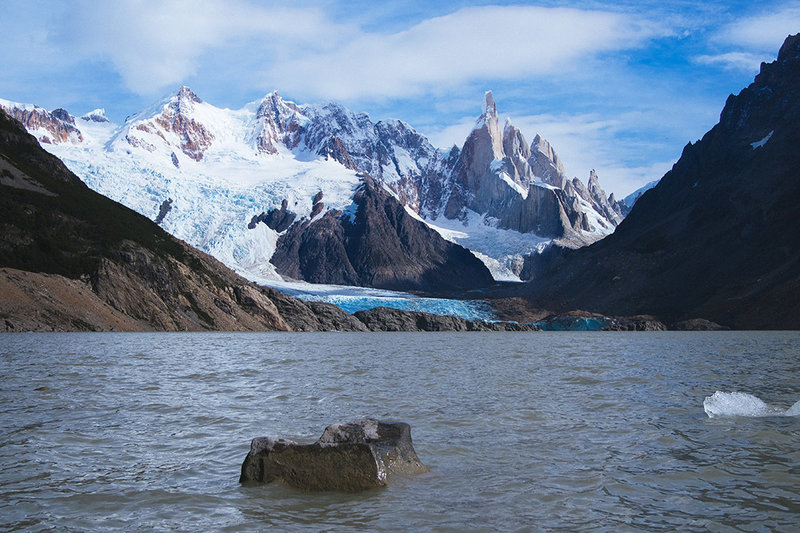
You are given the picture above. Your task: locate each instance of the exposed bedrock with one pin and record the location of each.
(379, 245)
(276, 219)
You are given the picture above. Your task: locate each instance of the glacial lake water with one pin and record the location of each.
(522, 431)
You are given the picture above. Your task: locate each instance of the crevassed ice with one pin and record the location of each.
(743, 404)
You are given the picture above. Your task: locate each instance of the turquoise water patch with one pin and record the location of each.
(573, 323)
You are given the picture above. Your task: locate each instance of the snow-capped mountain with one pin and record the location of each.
(496, 175)
(207, 174)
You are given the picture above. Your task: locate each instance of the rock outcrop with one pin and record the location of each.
(717, 237)
(276, 219)
(697, 324)
(163, 209)
(636, 323)
(56, 127)
(352, 457)
(377, 244)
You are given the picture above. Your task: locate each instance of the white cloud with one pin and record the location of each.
(737, 60)
(763, 33)
(467, 45)
(751, 40)
(154, 45)
(306, 53)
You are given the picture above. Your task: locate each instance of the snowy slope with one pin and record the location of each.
(632, 197)
(213, 199)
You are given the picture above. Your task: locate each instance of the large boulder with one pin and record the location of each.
(349, 457)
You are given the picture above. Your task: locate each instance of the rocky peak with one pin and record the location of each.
(177, 117)
(753, 112)
(546, 164)
(487, 130)
(496, 175)
(489, 108)
(276, 108)
(790, 50)
(63, 115)
(346, 123)
(54, 127)
(186, 95)
(601, 202)
(517, 152)
(97, 115)
(277, 122)
(514, 141)
(594, 183)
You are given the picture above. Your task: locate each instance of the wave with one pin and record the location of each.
(743, 404)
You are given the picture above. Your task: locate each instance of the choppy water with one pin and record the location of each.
(522, 431)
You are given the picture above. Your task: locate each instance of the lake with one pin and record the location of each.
(600, 431)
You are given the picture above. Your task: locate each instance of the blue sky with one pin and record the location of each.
(619, 88)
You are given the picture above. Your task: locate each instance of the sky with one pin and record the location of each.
(618, 88)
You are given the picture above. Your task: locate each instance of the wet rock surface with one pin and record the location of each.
(351, 457)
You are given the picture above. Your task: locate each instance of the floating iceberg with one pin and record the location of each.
(743, 404)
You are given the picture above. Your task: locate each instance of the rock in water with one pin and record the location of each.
(348, 457)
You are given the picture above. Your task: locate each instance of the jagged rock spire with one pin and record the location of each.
(489, 107)
(546, 164)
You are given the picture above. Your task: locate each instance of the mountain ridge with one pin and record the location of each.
(220, 168)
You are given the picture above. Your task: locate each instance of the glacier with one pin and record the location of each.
(352, 299)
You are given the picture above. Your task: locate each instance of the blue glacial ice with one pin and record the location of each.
(352, 299)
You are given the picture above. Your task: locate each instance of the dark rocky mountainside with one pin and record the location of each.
(377, 244)
(74, 260)
(718, 237)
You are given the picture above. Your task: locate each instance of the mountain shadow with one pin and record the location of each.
(717, 238)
